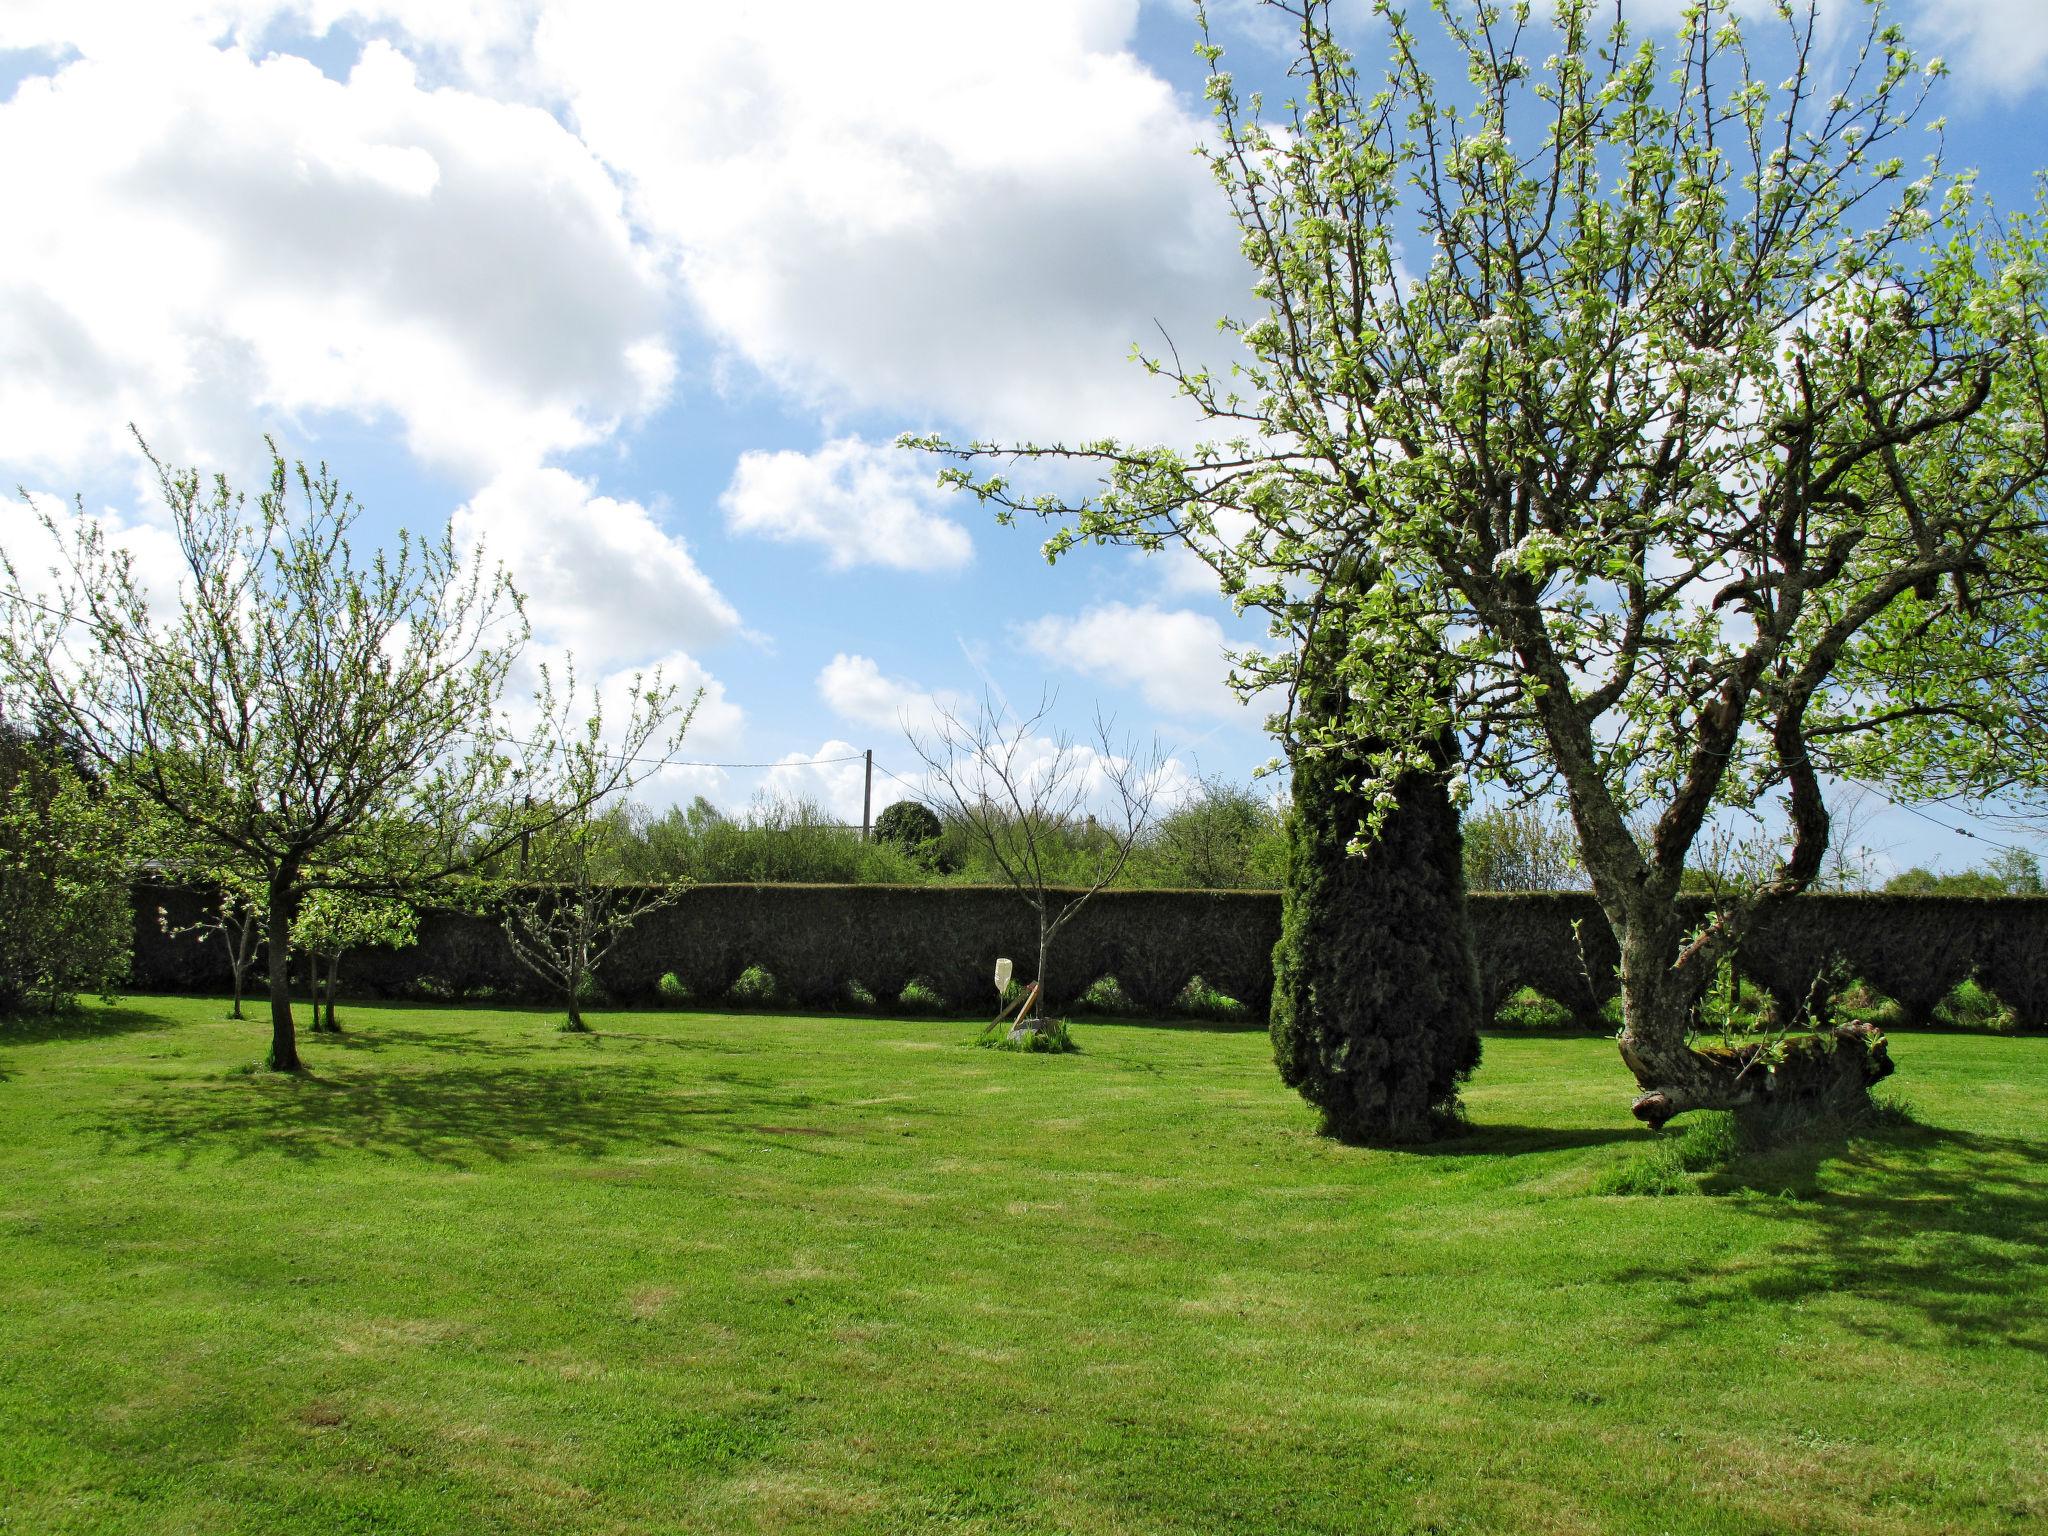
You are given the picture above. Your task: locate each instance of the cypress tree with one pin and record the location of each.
(1375, 1014)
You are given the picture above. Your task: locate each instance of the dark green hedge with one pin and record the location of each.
(817, 938)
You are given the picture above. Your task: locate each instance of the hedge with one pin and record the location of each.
(816, 940)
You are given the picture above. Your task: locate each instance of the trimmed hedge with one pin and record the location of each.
(816, 939)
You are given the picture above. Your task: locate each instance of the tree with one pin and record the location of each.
(1225, 836)
(238, 920)
(1519, 848)
(65, 921)
(332, 922)
(1023, 799)
(301, 718)
(1702, 458)
(1375, 1016)
(911, 826)
(563, 916)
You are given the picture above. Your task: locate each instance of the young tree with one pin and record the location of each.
(1701, 455)
(238, 920)
(1375, 1016)
(332, 922)
(568, 909)
(302, 718)
(1023, 798)
(1226, 836)
(65, 922)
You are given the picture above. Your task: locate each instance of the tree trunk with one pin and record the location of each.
(1779, 1078)
(576, 1026)
(1044, 958)
(333, 973)
(284, 1040)
(235, 1012)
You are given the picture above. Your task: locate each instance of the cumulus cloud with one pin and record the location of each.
(969, 209)
(1173, 656)
(855, 689)
(201, 242)
(833, 777)
(861, 503)
(601, 576)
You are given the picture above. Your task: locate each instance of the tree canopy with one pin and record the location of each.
(1641, 419)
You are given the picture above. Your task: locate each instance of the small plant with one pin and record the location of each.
(858, 996)
(1530, 1009)
(921, 997)
(755, 988)
(1045, 1037)
(1675, 1162)
(1972, 1005)
(1107, 995)
(1199, 1000)
(672, 990)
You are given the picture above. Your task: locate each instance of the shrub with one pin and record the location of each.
(912, 827)
(1972, 1005)
(755, 987)
(672, 990)
(1106, 994)
(921, 997)
(1199, 1000)
(1375, 1014)
(1530, 1009)
(858, 996)
(66, 922)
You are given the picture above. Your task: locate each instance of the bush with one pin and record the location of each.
(1375, 996)
(920, 997)
(756, 987)
(1199, 1000)
(912, 827)
(1972, 1005)
(66, 918)
(1105, 994)
(1530, 1009)
(672, 990)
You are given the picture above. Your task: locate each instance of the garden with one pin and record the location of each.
(1522, 1109)
(714, 1272)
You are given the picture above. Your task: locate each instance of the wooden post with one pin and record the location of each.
(867, 798)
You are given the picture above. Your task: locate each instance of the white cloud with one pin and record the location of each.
(1173, 656)
(855, 689)
(862, 503)
(204, 243)
(969, 209)
(601, 576)
(834, 777)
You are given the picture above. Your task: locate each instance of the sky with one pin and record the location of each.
(638, 297)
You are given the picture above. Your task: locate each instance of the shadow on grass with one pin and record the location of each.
(82, 1024)
(462, 1114)
(1927, 1224)
(1487, 1139)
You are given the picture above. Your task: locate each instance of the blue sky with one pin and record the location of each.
(641, 295)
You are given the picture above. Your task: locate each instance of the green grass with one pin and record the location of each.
(705, 1273)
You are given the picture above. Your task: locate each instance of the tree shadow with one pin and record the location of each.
(1491, 1139)
(458, 1115)
(1936, 1225)
(81, 1024)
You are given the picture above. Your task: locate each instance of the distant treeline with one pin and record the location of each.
(1226, 837)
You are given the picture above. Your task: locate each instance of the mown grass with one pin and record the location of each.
(708, 1273)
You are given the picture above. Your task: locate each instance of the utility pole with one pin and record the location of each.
(867, 798)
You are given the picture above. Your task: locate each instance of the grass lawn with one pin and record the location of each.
(702, 1273)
